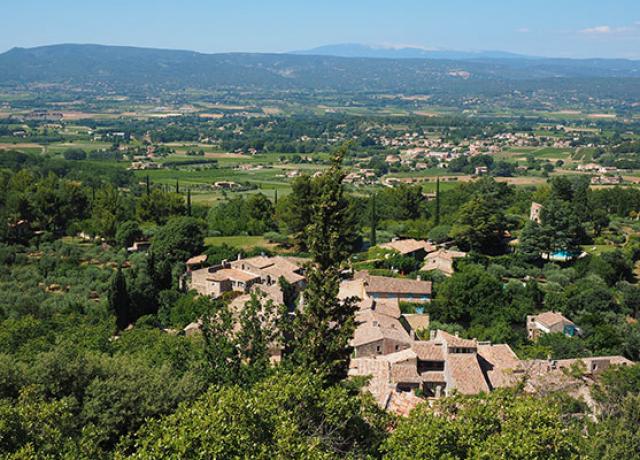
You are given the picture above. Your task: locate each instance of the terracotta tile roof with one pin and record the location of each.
(428, 350)
(381, 387)
(417, 321)
(258, 261)
(386, 284)
(405, 374)
(379, 371)
(264, 262)
(433, 376)
(500, 364)
(408, 246)
(231, 274)
(399, 356)
(277, 271)
(375, 326)
(551, 318)
(352, 288)
(402, 403)
(356, 288)
(196, 260)
(389, 307)
(442, 260)
(466, 375)
(453, 341)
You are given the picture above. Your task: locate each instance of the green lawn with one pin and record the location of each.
(598, 249)
(244, 242)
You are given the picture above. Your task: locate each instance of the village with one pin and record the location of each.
(405, 361)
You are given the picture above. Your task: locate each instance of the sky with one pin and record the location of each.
(558, 28)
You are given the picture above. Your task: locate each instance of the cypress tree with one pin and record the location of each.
(148, 185)
(299, 209)
(118, 300)
(438, 200)
(275, 198)
(177, 186)
(188, 202)
(325, 326)
(374, 221)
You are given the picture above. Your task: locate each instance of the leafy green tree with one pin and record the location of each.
(261, 212)
(34, 427)
(480, 225)
(230, 217)
(55, 203)
(159, 206)
(617, 437)
(532, 243)
(110, 208)
(561, 228)
(223, 362)
(175, 242)
(404, 264)
(563, 347)
(130, 392)
(440, 233)
(285, 416)
(499, 425)
(128, 232)
(257, 322)
(470, 294)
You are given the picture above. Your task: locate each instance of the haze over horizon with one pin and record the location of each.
(574, 29)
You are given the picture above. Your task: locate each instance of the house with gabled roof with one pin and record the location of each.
(442, 260)
(410, 247)
(550, 322)
(381, 327)
(401, 289)
(438, 367)
(241, 274)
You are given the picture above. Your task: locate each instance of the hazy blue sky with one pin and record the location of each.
(573, 28)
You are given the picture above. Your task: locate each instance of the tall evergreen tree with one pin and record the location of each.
(177, 186)
(148, 184)
(118, 300)
(323, 329)
(188, 202)
(438, 200)
(298, 213)
(374, 220)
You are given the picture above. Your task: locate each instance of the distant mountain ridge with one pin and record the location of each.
(404, 52)
(118, 68)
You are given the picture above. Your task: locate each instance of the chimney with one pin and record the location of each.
(418, 278)
(432, 334)
(239, 256)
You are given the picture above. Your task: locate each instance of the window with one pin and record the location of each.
(426, 366)
(378, 349)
